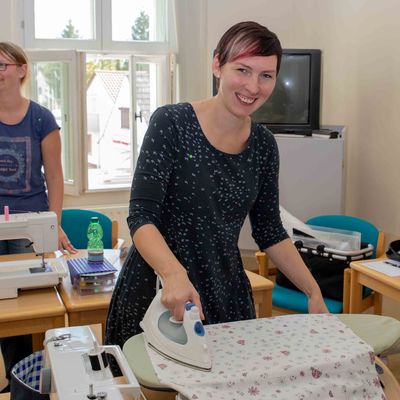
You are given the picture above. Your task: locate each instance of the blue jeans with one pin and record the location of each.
(15, 246)
(15, 348)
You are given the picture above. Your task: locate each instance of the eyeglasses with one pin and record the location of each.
(3, 66)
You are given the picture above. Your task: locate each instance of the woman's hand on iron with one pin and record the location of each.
(177, 291)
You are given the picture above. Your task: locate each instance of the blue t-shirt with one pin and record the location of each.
(22, 183)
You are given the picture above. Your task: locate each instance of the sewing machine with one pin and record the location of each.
(41, 229)
(76, 367)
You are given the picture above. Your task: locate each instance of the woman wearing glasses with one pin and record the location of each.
(29, 141)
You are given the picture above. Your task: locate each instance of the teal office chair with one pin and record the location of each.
(292, 301)
(75, 222)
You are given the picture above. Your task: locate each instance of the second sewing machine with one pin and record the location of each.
(41, 229)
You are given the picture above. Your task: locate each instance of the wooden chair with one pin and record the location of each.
(291, 301)
(75, 221)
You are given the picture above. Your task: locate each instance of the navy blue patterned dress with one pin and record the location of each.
(198, 197)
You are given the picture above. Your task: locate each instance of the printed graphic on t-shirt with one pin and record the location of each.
(15, 164)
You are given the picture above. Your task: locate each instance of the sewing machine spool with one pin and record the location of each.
(98, 358)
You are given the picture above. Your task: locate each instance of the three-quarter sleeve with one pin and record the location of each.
(267, 228)
(153, 170)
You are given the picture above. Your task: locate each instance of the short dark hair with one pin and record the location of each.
(246, 39)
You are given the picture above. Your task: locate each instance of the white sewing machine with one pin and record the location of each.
(41, 229)
(76, 367)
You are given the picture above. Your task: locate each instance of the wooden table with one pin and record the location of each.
(93, 308)
(382, 284)
(88, 309)
(33, 312)
(262, 293)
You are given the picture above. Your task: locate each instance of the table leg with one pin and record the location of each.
(355, 293)
(37, 341)
(265, 305)
(377, 303)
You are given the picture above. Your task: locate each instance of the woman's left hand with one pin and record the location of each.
(63, 242)
(316, 305)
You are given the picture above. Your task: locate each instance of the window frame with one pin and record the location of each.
(72, 59)
(63, 44)
(102, 40)
(74, 52)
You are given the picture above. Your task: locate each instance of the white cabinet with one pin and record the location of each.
(311, 179)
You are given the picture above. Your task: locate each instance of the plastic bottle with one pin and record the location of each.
(95, 247)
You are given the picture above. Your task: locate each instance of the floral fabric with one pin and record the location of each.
(296, 357)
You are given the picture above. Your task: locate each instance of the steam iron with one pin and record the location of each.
(181, 341)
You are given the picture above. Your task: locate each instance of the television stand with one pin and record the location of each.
(292, 134)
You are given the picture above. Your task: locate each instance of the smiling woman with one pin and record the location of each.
(29, 144)
(202, 168)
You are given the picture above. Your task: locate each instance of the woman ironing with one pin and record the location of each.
(202, 168)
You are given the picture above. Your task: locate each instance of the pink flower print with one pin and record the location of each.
(371, 357)
(376, 382)
(279, 332)
(253, 391)
(315, 373)
(162, 366)
(285, 352)
(302, 373)
(326, 350)
(241, 342)
(337, 365)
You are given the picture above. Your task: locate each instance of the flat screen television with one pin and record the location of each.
(294, 105)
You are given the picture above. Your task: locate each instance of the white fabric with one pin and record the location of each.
(332, 238)
(288, 357)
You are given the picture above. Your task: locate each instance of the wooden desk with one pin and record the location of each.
(33, 312)
(382, 284)
(262, 293)
(93, 308)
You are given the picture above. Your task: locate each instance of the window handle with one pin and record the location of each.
(139, 116)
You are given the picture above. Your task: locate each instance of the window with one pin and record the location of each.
(124, 118)
(103, 89)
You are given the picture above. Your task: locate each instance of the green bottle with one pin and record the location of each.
(95, 247)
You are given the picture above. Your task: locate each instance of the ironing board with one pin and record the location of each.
(140, 363)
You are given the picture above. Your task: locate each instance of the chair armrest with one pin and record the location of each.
(262, 261)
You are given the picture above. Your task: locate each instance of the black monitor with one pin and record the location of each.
(295, 102)
(294, 105)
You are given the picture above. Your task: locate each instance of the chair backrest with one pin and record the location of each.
(75, 221)
(369, 233)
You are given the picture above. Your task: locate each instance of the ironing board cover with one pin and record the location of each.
(288, 357)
